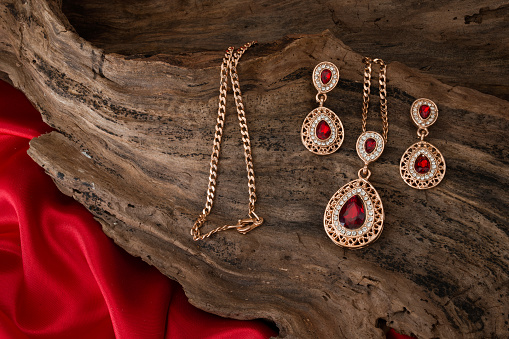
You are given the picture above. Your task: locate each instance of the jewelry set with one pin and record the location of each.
(354, 216)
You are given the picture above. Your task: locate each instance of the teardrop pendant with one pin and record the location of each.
(354, 215)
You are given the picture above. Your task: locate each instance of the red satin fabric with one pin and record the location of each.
(61, 277)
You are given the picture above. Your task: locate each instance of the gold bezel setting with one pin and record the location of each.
(370, 157)
(416, 117)
(317, 77)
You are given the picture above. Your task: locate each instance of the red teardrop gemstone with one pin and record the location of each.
(323, 130)
(370, 145)
(422, 164)
(424, 111)
(326, 76)
(352, 214)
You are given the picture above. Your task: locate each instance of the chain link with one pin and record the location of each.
(229, 67)
(382, 83)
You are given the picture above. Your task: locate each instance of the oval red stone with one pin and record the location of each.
(370, 145)
(326, 76)
(352, 214)
(323, 130)
(424, 111)
(422, 164)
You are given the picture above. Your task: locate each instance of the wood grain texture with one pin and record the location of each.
(133, 140)
(460, 42)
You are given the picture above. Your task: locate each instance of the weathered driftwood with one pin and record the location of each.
(134, 135)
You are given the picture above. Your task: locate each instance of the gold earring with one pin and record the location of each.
(422, 165)
(322, 131)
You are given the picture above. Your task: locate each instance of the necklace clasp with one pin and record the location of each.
(245, 225)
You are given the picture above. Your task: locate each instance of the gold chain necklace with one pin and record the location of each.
(229, 67)
(382, 85)
(354, 215)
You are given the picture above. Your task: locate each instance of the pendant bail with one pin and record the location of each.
(422, 132)
(364, 171)
(320, 98)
